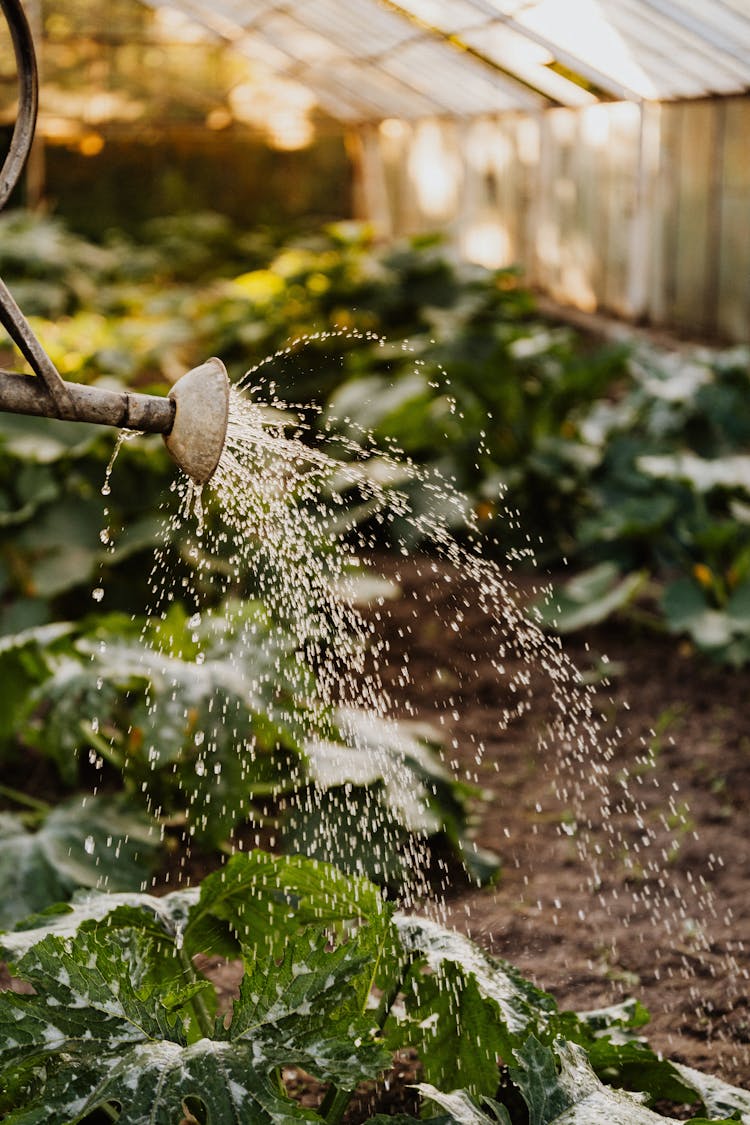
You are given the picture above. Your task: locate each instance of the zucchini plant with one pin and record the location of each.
(122, 1021)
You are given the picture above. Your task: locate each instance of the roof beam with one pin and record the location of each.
(455, 42)
(576, 65)
(705, 31)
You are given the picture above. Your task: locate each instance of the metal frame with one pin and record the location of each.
(727, 60)
(45, 392)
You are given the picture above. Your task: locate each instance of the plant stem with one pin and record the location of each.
(103, 747)
(334, 1104)
(110, 1111)
(24, 799)
(202, 1015)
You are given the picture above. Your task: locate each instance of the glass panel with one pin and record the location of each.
(677, 59)
(455, 16)
(362, 26)
(648, 48)
(465, 85)
(529, 61)
(298, 41)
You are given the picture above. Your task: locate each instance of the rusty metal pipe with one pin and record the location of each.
(28, 394)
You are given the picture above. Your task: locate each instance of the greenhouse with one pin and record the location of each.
(374, 562)
(610, 163)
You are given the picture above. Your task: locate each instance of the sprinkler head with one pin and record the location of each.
(201, 399)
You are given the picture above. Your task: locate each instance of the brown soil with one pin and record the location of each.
(667, 921)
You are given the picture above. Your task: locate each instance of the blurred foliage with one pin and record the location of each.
(631, 465)
(634, 460)
(211, 730)
(666, 498)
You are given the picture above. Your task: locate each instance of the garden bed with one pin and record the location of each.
(660, 695)
(692, 714)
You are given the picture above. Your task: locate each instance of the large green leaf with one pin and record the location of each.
(260, 900)
(24, 662)
(469, 1012)
(256, 903)
(385, 777)
(590, 597)
(155, 1081)
(89, 842)
(103, 1026)
(314, 988)
(686, 609)
(98, 1039)
(560, 1088)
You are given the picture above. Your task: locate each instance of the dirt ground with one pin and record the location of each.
(666, 919)
(667, 916)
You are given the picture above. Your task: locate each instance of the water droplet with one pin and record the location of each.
(97, 594)
(89, 845)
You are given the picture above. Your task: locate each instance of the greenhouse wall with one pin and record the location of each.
(131, 180)
(641, 211)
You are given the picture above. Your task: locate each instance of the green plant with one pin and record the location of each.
(47, 853)
(666, 498)
(122, 1019)
(215, 728)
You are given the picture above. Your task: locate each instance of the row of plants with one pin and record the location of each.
(122, 1022)
(205, 737)
(121, 1019)
(628, 464)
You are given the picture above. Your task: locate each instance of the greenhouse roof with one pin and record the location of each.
(372, 59)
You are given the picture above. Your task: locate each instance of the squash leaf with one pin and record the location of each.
(89, 842)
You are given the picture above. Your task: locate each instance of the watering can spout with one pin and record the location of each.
(192, 419)
(198, 432)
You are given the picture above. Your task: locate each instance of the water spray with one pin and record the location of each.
(192, 418)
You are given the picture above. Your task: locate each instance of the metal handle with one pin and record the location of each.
(28, 97)
(193, 419)
(11, 317)
(26, 394)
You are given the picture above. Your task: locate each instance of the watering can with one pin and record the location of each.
(192, 419)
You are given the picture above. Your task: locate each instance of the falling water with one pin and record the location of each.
(290, 514)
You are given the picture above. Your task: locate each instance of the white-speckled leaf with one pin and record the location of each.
(520, 1005)
(152, 1079)
(88, 843)
(310, 1001)
(572, 1095)
(719, 1098)
(99, 1027)
(469, 1012)
(463, 1109)
(169, 912)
